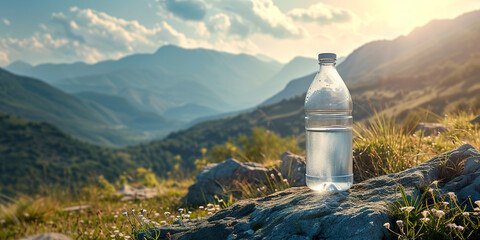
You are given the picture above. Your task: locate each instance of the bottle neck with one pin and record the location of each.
(326, 64)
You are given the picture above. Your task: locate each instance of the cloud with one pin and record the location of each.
(264, 17)
(89, 35)
(321, 13)
(186, 9)
(6, 21)
(219, 23)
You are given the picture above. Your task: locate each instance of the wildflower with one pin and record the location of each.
(440, 213)
(201, 207)
(125, 213)
(3, 221)
(187, 216)
(209, 205)
(217, 209)
(477, 202)
(221, 200)
(285, 180)
(120, 234)
(452, 195)
(451, 225)
(157, 214)
(178, 216)
(189, 212)
(425, 213)
(430, 190)
(272, 176)
(113, 235)
(435, 182)
(476, 209)
(400, 223)
(133, 210)
(127, 237)
(445, 203)
(114, 227)
(209, 213)
(276, 190)
(407, 209)
(433, 210)
(217, 206)
(147, 221)
(279, 174)
(116, 231)
(425, 219)
(140, 216)
(461, 228)
(144, 211)
(263, 188)
(116, 216)
(387, 225)
(466, 214)
(26, 214)
(81, 221)
(166, 213)
(163, 222)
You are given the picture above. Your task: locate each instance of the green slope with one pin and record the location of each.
(36, 100)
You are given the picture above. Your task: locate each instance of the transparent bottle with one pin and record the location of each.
(328, 125)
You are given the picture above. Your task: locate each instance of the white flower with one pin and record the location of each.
(189, 212)
(466, 214)
(477, 202)
(147, 221)
(435, 182)
(114, 227)
(120, 234)
(476, 209)
(221, 200)
(166, 213)
(452, 195)
(127, 237)
(180, 210)
(451, 225)
(279, 174)
(400, 223)
(440, 213)
(272, 176)
(209, 205)
(461, 228)
(163, 222)
(430, 190)
(116, 231)
(445, 203)
(217, 206)
(433, 210)
(26, 214)
(387, 225)
(125, 213)
(425, 219)
(407, 209)
(425, 213)
(209, 213)
(112, 235)
(201, 207)
(285, 180)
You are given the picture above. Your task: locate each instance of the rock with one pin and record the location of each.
(141, 193)
(293, 168)
(476, 120)
(77, 208)
(431, 128)
(47, 236)
(216, 179)
(299, 213)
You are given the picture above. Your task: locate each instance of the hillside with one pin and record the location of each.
(412, 71)
(36, 100)
(37, 155)
(206, 74)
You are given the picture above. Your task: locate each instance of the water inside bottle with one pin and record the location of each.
(329, 158)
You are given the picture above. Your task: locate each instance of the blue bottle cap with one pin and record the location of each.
(327, 56)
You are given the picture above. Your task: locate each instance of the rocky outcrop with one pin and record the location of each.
(224, 178)
(430, 129)
(293, 168)
(299, 213)
(48, 236)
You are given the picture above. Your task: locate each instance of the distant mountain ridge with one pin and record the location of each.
(218, 80)
(102, 124)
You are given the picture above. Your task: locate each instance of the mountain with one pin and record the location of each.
(36, 100)
(234, 78)
(189, 112)
(381, 71)
(148, 90)
(296, 68)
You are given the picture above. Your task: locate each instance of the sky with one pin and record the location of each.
(90, 30)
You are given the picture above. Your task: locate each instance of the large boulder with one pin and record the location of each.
(430, 129)
(299, 213)
(47, 236)
(223, 179)
(293, 168)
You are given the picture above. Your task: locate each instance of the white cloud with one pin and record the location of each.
(264, 17)
(321, 13)
(219, 23)
(6, 21)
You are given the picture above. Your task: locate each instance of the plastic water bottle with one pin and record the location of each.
(328, 125)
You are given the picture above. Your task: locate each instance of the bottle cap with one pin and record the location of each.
(327, 56)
